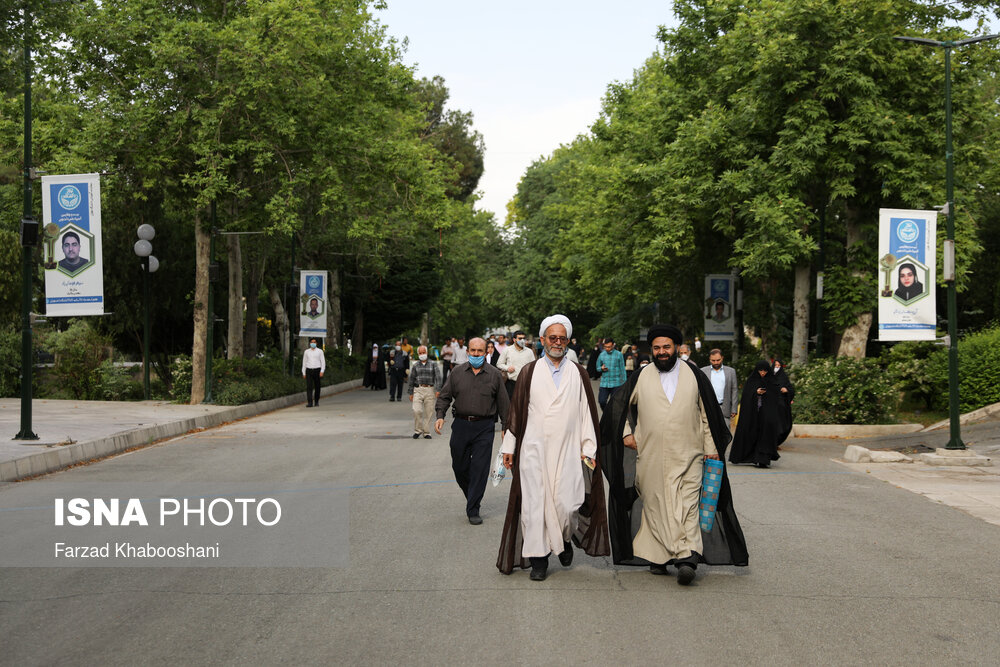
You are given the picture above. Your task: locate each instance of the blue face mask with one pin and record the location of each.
(477, 362)
(312, 345)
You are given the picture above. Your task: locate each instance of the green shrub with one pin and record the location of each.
(919, 368)
(180, 374)
(115, 383)
(10, 362)
(842, 391)
(238, 393)
(978, 370)
(79, 352)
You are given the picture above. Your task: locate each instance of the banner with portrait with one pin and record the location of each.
(71, 245)
(720, 307)
(907, 251)
(312, 304)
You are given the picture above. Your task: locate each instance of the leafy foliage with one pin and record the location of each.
(842, 391)
(79, 352)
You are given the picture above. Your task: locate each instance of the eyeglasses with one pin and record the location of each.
(557, 339)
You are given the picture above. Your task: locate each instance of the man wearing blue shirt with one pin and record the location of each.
(611, 364)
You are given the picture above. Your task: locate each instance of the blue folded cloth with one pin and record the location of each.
(711, 482)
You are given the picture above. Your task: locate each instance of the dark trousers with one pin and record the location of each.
(396, 381)
(312, 386)
(471, 449)
(445, 369)
(603, 394)
(510, 384)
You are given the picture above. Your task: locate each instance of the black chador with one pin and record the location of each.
(725, 544)
(760, 426)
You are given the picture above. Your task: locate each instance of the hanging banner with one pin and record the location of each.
(312, 299)
(720, 310)
(907, 307)
(71, 245)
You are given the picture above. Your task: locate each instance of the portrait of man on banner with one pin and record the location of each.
(719, 311)
(77, 248)
(313, 306)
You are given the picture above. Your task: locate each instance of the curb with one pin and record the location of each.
(58, 458)
(851, 430)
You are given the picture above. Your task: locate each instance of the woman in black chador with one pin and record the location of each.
(909, 286)
(374, 369)
(786, 394)
(759, 427)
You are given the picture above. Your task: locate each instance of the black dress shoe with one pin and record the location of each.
(427, 436)
(475, 519)
(685, 574)
(566, 557)
(392, 400)
(416, 435)
(539, 568)
(658, 569)
(309, 405)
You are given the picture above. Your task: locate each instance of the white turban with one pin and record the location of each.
(556, 319)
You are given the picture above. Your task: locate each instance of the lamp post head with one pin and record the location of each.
(145, 232)
(143, 248)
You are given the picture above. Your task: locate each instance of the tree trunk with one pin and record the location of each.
(424, 329)
(334, 319)
(253, 310)
(357, 336)
(854, 340)
(280, 321)
(199, 348)
(235, 337)
(800, 316)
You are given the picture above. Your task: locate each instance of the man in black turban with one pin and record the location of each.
(655, 434)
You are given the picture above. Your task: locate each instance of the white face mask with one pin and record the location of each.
(422, 357)
(398, 348)
(684, 357)
(520, 342)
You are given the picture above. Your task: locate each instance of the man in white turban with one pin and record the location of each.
(557, 494)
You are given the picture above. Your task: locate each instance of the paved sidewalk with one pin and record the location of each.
(72, 432)
(974, 490)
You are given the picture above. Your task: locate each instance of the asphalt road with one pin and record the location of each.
(844, 569)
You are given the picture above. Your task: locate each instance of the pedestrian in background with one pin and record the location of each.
(313, 367)
(513, 359)
(476, 388)
(425, 387)
(399, 364)
(611, 364)
(724, 384)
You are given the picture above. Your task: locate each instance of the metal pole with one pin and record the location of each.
(955, 442)
(26, 433)
(145, 328)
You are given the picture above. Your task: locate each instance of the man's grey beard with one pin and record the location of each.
(555, 353)
(665, 365)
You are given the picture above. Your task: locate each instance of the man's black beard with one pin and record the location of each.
(665, 365)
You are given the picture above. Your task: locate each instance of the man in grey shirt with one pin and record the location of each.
(477, 389)
(723, 379)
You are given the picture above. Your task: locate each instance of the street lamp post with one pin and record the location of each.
(28, 240)
(955, 441)
(144, 249)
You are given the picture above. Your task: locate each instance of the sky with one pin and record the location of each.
(533, 73)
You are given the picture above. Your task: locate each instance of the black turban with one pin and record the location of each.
(660, 330)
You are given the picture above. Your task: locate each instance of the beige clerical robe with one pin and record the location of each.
(559, 430)
(672, 438)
